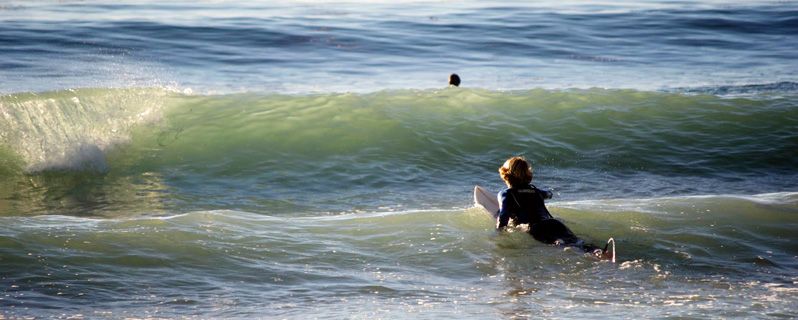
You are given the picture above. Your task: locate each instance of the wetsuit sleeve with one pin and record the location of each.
(504, 210)
(545, 194)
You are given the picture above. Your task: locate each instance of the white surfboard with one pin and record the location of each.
(486, 200)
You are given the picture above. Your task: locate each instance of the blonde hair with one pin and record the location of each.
(516, 172)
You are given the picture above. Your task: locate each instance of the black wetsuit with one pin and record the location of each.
(525, 205)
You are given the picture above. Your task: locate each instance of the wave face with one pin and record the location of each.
(391, 149)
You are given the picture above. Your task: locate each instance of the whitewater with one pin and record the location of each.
(299, 159)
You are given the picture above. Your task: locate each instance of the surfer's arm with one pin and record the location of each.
(545, 194)
(504, 214)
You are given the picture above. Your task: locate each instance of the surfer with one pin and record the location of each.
(523, 203)
(454, 80)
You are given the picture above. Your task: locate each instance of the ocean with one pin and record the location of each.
(306, 159)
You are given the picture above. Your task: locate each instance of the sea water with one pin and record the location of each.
(302, 159)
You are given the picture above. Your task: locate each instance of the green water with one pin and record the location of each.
(131, 202)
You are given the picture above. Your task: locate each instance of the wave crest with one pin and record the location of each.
(73, 129)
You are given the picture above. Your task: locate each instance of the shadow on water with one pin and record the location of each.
(82, 194)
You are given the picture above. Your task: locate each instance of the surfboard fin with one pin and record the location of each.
(609, 255)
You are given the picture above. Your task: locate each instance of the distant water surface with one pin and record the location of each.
(308, 46)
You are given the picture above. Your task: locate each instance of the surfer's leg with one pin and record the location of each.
(605, 253)
(552, 231)
(588, 247)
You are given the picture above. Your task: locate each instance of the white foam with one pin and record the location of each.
(73, 129)
(651, 205)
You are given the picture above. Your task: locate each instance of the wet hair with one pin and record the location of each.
(516, 172)
(454, 80)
